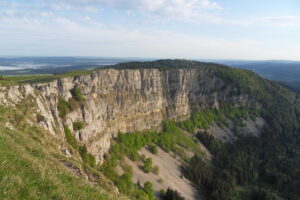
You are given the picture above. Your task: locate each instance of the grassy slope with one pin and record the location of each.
(31, 166)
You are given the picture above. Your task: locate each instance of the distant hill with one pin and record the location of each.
(285, 72)
(53, 65)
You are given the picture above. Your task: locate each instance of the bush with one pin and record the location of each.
(40, 118)
(153, 149)
(155, 170)
(170, 127)
(73, 104)
(70, 137)
(160, 180)
(147, 165)
(187, 125)
(77, 94)
(77, 126)
(143, 158)
(134, 156)
(87, 157)
(125, 183)
(148, 188)
(171, 195)
(63, 108)
(178, 151)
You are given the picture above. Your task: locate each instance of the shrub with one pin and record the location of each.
(40, 118)
(87, 157)
(178, 151)
(162, 193)
(73, 104)
(153, 148)
(170, 127)
(155, 170)
(187, 125)
(143, 158)
(77, 126)
(148, 188)
(147, 165)
(63, 108)
(124, 183)
(128, 168)
(134, 156)
(160, 180)
(77, 94)
(70, 137)
(172, 195)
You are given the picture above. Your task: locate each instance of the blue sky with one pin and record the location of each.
(192, 29)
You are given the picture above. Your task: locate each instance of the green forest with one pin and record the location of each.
(263, 168)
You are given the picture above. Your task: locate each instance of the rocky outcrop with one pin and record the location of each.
(124, 100)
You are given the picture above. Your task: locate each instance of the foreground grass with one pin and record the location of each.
(31, 168)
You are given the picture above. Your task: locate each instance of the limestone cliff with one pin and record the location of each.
(123, 100)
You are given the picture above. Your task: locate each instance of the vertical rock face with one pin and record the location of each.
(124, 100)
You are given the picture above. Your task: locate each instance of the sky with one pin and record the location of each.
(190, 29)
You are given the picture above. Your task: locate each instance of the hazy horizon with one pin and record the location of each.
(146, 58)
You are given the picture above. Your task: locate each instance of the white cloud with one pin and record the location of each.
(191, 10)
(50, 32)
(91, 9)
(283, 21)
(62, 36)
(60, 6)
(87, 18)
(269, 21)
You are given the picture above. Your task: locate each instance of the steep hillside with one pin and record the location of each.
(79, 120)
(285, 72)
(109, 101)
(32, 165)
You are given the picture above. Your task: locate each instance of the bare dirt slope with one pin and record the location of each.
(252, 127)
(169, 172)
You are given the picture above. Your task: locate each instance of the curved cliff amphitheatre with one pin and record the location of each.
(145, 130)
